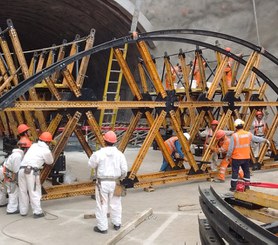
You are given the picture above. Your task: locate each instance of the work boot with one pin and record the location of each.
(36, 216)
(96, 229)
(117, 227)
(14, 212)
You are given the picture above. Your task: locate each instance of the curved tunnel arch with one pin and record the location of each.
(24, 86)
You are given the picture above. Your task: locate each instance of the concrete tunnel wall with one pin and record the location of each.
(42, 23)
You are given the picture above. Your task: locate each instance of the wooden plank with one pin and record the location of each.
(259, 198)
(263, 215)
(127, 228)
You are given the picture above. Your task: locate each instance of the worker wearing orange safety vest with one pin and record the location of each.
(174, 72)
(222, 147)
(23, 132)
(228, 70)
(174, 148)
(197, 74)
(9, 172)
(239, 151)
(260, 130)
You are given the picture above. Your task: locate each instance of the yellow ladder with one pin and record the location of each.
(112, 89)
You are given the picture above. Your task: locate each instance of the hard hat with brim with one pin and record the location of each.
(110, 137)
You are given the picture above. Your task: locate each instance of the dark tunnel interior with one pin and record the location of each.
(41, 24)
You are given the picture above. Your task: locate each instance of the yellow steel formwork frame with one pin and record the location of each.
(155, 112)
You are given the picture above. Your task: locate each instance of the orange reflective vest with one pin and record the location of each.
(224, 145)
(170, 144)
(242, 141)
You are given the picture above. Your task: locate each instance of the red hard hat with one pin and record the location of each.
(46, 136)
(214, 122)
(24, 142)
(110, 137)
(22, 128)
(259, 113)
(219, 134)
(228, 49)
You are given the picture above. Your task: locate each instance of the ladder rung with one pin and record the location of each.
(114, 59)
(113, 82)
(109, 113)
(116, 71)
(111, 92)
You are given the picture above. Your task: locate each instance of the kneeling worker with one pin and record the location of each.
(222, 147)
(174, 148)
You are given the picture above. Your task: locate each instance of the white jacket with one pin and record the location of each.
(109, 162)
(14, 160)
(38, 154)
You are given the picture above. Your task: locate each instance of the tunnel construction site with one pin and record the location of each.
(59, 89)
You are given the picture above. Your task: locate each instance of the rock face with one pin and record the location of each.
(227, 16)
(235, 18)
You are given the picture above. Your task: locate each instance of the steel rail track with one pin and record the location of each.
(230, 224)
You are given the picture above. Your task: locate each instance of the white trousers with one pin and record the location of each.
(256, 148)
(214, 161)
(26, 183)
(3, 195)
(12, 190)
(107, 202)
(3, 189)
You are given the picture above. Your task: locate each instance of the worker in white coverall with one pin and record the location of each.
(29, 175)
(10, 170)
(110, 166)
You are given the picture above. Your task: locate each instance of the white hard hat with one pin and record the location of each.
(238, 122)
(187, 136)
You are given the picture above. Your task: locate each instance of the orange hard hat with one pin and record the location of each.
(24, 142)
(110, 137)
(22, 128)
(228, 49)
(219, 134)
(259, 113)
(214, 122)
(46, 136)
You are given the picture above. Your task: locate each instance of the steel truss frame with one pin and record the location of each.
(165, 104)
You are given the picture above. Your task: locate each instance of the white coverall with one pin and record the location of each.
(13, 164)
(109, 163)
(3, 189)
(38, 154)
(259, 130)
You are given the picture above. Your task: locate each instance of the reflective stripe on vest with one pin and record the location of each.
(170, 144)
(257, 126)
(242, 140)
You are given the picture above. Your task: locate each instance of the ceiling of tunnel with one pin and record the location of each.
(42, 23)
